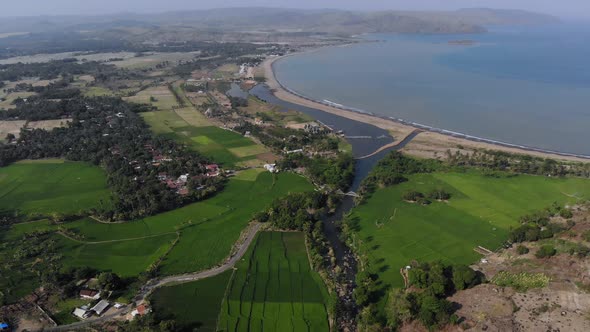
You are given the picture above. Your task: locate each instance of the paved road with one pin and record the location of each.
(151, 285)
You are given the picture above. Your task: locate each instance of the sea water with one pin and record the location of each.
(522, 85)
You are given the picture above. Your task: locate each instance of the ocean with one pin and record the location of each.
(521, 85)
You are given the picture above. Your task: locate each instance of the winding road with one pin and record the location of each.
(151, 285)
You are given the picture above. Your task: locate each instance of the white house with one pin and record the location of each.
(271, 168)
(81, 313)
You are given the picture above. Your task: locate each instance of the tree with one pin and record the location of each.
(398, 308)
(109, 281)
(464, 277)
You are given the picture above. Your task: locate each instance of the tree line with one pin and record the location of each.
(108, 132)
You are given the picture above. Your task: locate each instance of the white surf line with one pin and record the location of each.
(426, 127)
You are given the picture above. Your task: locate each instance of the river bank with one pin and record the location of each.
(432, 143)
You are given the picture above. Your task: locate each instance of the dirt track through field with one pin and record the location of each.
(151, 285)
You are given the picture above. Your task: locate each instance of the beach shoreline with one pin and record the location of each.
(433, 140)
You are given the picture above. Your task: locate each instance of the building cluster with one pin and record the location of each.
(98, 307)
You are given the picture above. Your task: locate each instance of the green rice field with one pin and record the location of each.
(193, 305)
(43, 187)
(481, 212)
(272, 289)
(204, 232)
(223, 146)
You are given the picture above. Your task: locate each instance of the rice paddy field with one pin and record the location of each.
(160, 97)
(481, 212)
(43, 187)
(190, 127)
(193, 305)
(273, 288)
(192, 238)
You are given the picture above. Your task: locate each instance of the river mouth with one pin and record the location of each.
(511, 88)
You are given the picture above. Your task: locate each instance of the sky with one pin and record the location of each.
(563, 8)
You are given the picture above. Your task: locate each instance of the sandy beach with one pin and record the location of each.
(428, 144)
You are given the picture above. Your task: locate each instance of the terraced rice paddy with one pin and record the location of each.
(44, 187)
(272, 289)
(481, 212)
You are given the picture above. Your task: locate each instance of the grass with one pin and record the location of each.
(207, 229)
(521, 281)
(62, 312)
(276, 113)
(164, 99)
(481, 212)
(97, 91)
(43, 187)
(193, 305)
(222, 146)
(274, 288)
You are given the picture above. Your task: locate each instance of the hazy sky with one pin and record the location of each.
(573, 8)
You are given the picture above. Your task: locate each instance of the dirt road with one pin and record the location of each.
(151, 285)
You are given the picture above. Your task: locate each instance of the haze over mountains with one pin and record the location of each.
(319, 21)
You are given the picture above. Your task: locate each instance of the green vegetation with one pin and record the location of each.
(521, 281)
(224, 146)
(52, 188)
(275, 289)
(194, 305)
(390, 233)
(188, 239)
(522, 250)
(546, 251)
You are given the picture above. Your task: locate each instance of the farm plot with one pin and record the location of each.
(274, 289)
(161, 97)
(222, 146)
(193, 305)
(203, 232)
(51, 186)
(481, 212)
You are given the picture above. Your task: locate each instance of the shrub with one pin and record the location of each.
(521, 281)
(586, 236)
(546, 251)
(440, 195)
(522, 250)
(413, 196)
(566, 213)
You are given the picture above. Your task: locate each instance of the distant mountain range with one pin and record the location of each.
(337, 22)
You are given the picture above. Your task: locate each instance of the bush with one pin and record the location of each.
(566, 213)
(439, 195)
(522, 250)
(586, 236)
(546, 251)
(413, 196)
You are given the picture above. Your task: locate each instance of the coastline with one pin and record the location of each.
(431, 140)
